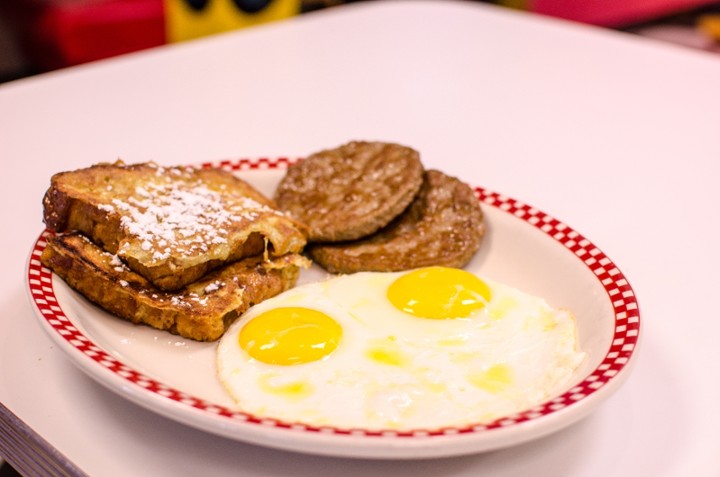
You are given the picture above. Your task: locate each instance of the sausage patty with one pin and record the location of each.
(443, 226)
(350, 191)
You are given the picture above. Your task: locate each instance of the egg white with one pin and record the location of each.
(393, 370)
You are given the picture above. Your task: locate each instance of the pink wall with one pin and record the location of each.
(613, 12)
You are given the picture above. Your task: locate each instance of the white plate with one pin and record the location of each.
(524, 247)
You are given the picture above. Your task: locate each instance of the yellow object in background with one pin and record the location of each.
(187, 19)
(516, 4)
(710, 25)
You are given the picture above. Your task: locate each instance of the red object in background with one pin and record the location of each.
(613, 13)
(57, 33)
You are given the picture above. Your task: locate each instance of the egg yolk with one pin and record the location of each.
(439, 293)
(291, 335)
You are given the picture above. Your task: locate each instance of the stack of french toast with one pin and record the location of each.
(180, 249)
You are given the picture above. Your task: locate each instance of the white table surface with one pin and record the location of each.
(615, 135)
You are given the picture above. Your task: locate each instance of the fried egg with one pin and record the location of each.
(430, 348)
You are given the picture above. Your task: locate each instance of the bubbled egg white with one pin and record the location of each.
(364, 351)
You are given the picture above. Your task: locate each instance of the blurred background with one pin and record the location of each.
(42, 35)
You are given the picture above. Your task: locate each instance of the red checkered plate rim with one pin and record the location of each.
(593, 387)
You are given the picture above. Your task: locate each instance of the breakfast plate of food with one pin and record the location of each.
(351, 303)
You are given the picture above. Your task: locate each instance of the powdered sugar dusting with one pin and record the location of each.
(170, 216)
(117, 263)
(214, 286)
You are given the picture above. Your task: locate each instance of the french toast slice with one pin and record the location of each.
(200, 311)
(170, 224)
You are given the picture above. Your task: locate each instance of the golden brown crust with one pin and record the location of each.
(350, 191)
(201, 311)
(171, 224)
(443, 226)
